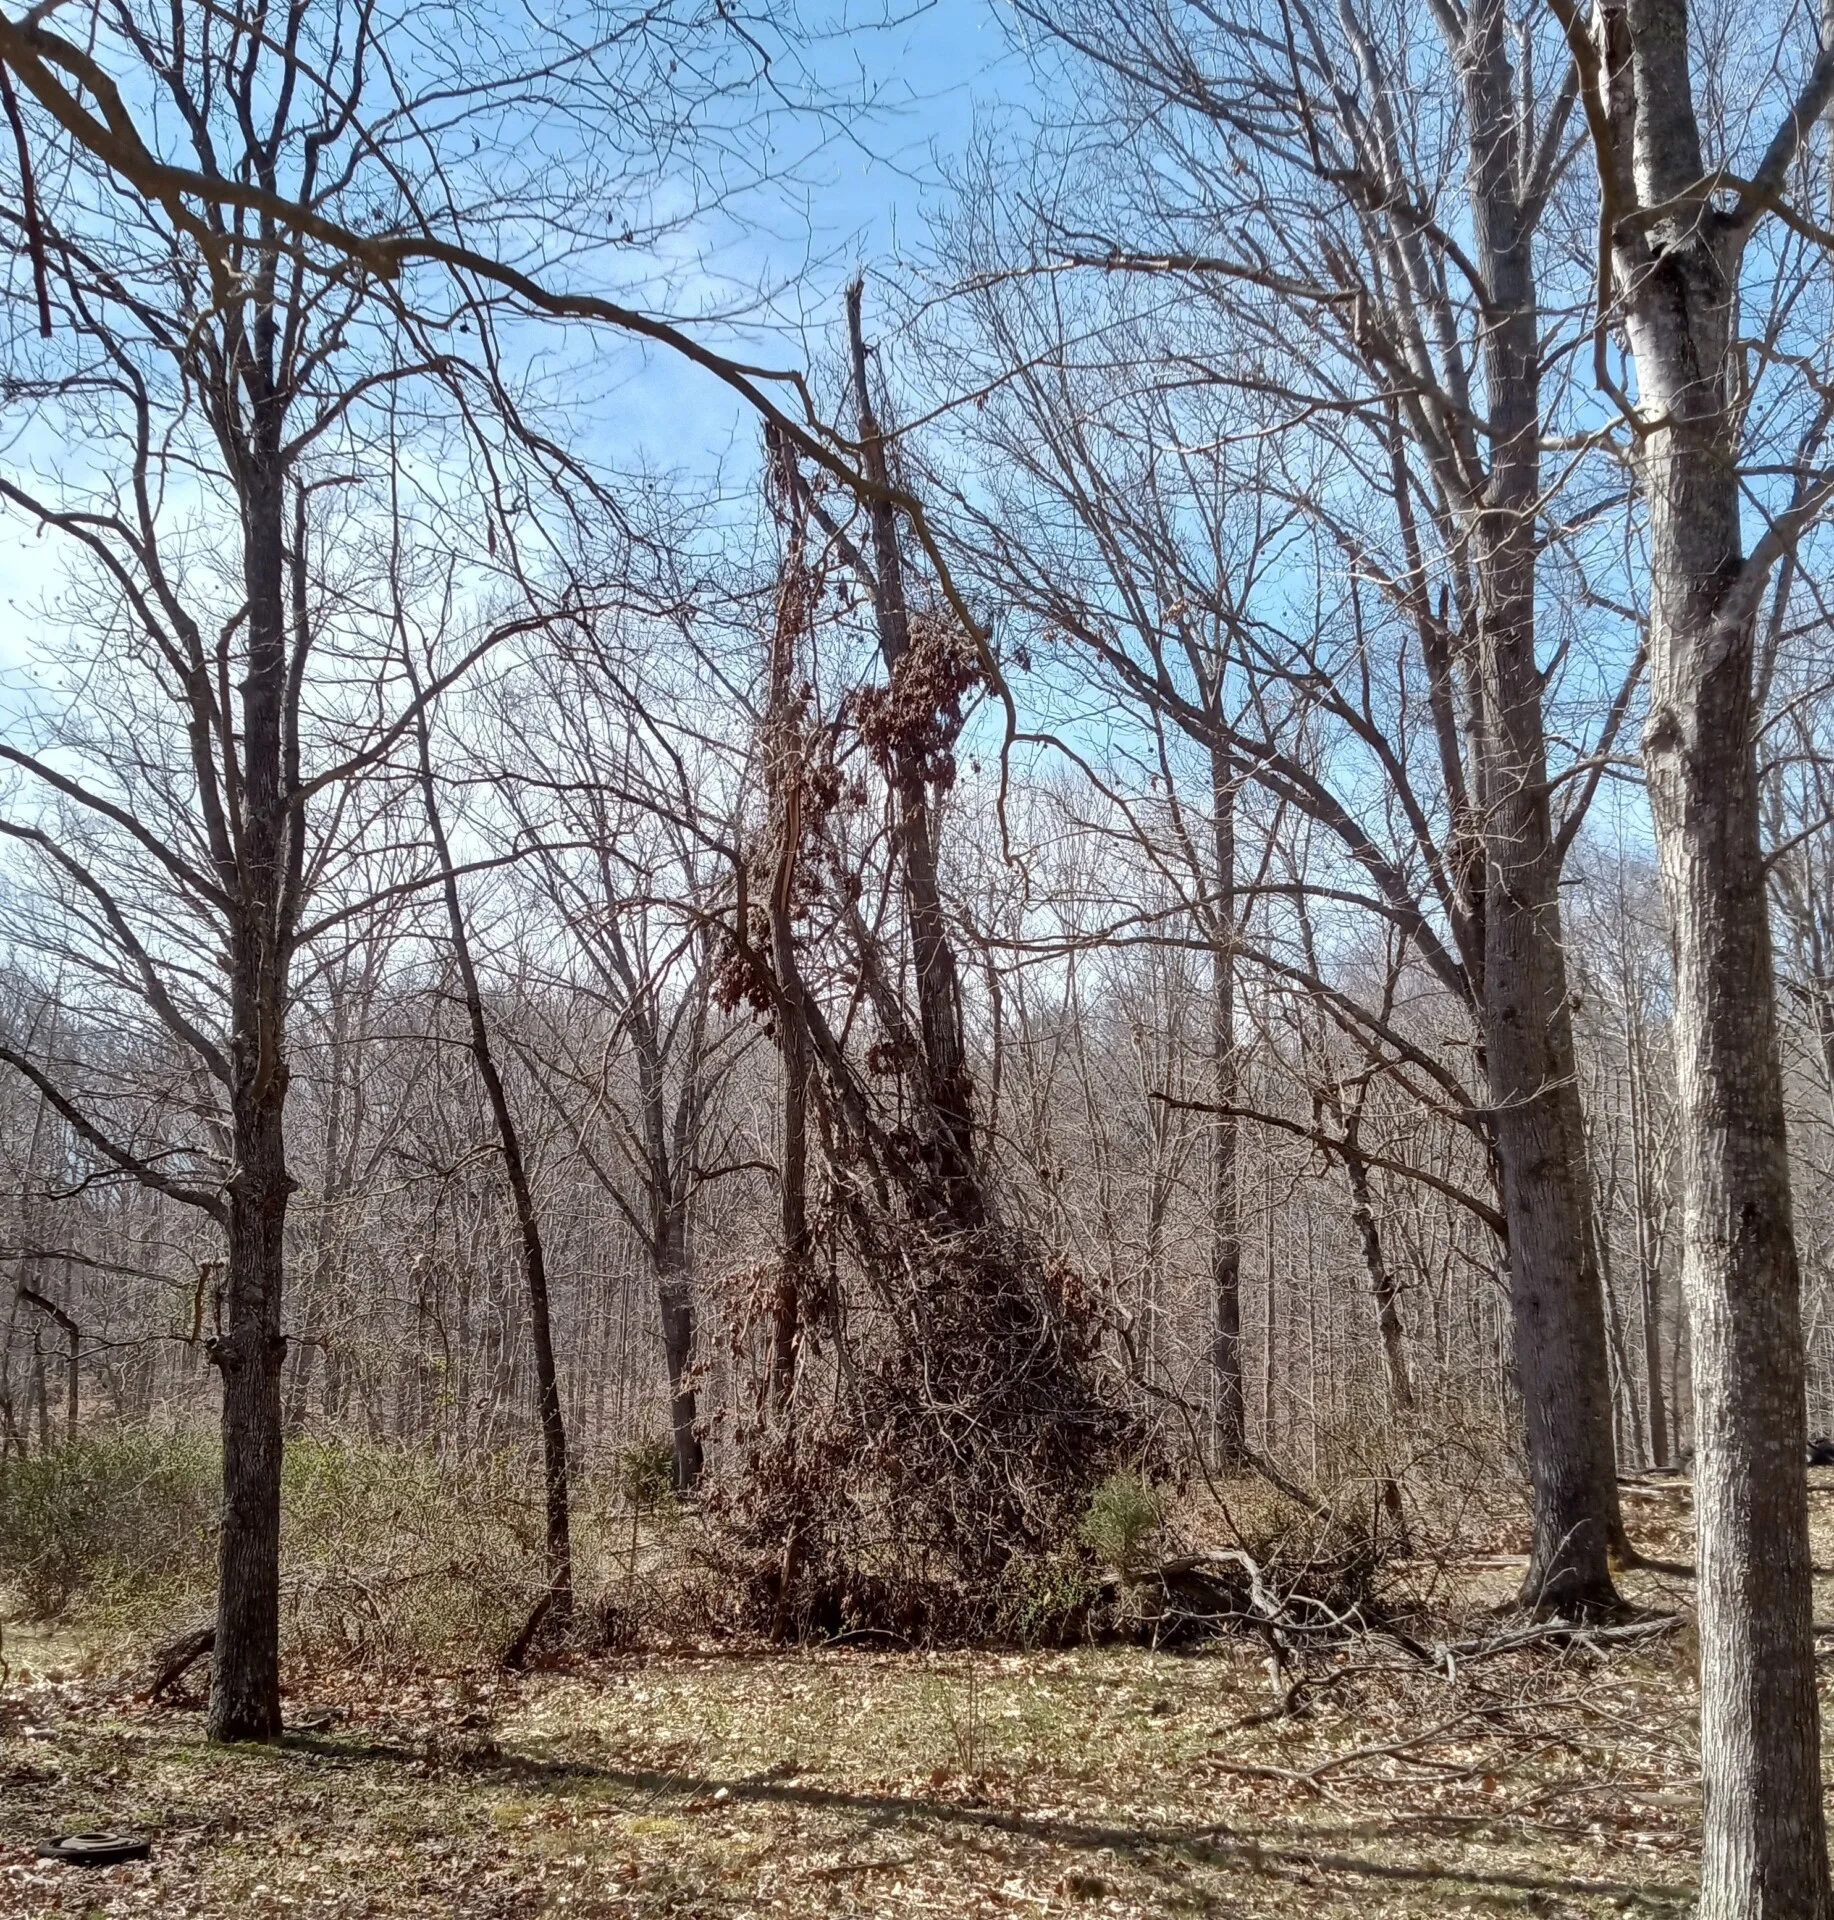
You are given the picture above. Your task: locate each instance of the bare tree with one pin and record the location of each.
(558, 1595)
(1289, 194)
(226, 387)
(629, 819)
(1673, 257)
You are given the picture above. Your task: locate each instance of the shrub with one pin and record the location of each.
(1123, 1515)
(645, 1474)
(1047, 1600)
(388, 1555)
(117, 1523)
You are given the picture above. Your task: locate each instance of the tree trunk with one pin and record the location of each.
(1557, 1304)
(783, 751)
(793, 1239)
(325, 1252)
(245, 1662)
(948, 1098)
(74, 1349)
(1764, 1839)
(1266, 1437)
(675, 1297)
(1381, 1281)
(1649, 1264)
(1388, 1318)
(250, 1349)
(528, 1223)
(1765, 1846)
(1657, 1399)
(1225, 1196)
(41, 1398)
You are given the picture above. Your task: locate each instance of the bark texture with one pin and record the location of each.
(1675, 268)
(1765, 1844)
(1556, 1296)
(250, 1348)
(1225, 1199)
(675, 1295)
(783, 754)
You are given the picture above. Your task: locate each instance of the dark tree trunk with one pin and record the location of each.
(1225, 1198)
(675, 1295)
(73, 1337)
(245, 1662)
(783, 751)
(668, 1153)
(675, 1291)
(528, 1222)
(250, 1349)
(947, 1090)
(41, 1398)
(1649, 1264)
(795, 1246)
(1388, 1318)
(1381, 1282)
(1655, 1395)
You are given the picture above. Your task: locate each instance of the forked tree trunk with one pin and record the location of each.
(948, 1104)
(1764, 1839)
(675, 1296)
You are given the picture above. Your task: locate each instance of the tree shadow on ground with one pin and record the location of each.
(1150, 1848)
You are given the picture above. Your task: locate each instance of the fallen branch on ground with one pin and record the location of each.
(515, 1655)
(173, 1660)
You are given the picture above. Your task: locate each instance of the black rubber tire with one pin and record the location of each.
(95, 1849)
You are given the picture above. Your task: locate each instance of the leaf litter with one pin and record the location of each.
(713, 1780)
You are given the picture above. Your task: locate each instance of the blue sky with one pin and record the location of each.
(863, 204)
(860, 201)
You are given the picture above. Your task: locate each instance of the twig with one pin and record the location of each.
(848, 1868)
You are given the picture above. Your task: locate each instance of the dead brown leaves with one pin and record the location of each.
(705, 1782)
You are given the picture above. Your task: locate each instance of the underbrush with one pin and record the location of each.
(389, 1556)
(396, 1558)
(113, 1526)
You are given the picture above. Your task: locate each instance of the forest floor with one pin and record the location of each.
(709, 1780)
